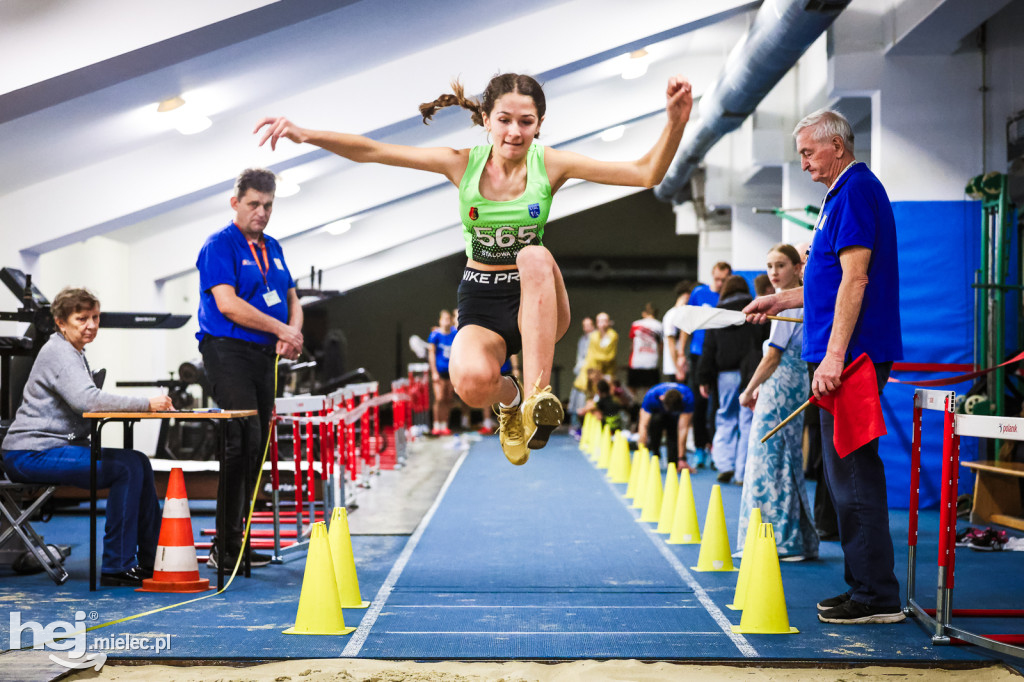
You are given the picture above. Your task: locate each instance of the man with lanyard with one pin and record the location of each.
(851, 306)
(703, 408)
(249, 312)
(667, 408)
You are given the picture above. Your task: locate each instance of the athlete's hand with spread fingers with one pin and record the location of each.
(680, 99)
(278, 127)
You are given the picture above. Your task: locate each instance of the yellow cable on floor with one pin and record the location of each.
(234, 571)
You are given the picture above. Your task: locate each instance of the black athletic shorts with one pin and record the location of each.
(490, 299)
(642, 378)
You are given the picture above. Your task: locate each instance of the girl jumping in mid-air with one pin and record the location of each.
(512, 296)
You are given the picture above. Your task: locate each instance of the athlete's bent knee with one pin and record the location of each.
(475, 388)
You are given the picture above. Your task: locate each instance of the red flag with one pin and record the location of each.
(855, 407)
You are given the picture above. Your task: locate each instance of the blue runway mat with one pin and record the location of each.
(544, 561)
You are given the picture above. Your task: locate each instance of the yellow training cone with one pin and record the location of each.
(619, 470)
(605, 451)
(640, 491)
(587, 435)
(634, 471)
(747, 563)
(344, 561)
(764, 609)
(319, 607)
(653, 491)
(668, 501)
(715, 554)
(685, 527)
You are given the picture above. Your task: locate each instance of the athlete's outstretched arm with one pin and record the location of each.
(450, 163)
(648, 170)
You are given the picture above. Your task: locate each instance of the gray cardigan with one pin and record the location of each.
(60, 388)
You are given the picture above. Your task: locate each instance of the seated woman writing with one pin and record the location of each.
(49, 440)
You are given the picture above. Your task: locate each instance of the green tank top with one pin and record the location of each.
(495, 231)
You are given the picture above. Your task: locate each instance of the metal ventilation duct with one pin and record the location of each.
(781, 32)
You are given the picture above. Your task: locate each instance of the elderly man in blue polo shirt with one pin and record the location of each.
(249, 312)
(851, 306)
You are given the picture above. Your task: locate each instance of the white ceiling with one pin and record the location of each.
(85, 153)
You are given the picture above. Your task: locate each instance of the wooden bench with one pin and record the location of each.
(997, 497)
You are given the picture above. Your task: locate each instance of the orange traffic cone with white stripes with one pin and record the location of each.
(176, 568)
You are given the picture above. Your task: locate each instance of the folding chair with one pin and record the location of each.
(12, 496)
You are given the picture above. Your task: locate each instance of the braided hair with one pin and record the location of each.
(500, 85)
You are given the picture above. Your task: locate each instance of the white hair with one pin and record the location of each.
(827, 124)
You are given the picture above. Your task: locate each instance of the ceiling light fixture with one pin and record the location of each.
(613, 133)
(636, 65)
(338, 227)
(185, 121)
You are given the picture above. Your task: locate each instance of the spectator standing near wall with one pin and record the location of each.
(439, 351)
(601, 351)
(646, 337)
(578, 398)
(729, 359)
(704, 406)
(773, 479)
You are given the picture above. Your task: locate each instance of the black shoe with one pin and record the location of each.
(724, 477)
(130, 578)
(832, 602)
(853, 612)
(256, 559)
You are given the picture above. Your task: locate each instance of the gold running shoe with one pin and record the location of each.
(510, 431)
(542, 414)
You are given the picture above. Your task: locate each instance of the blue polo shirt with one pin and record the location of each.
(442, 347)
(856, 212)
(701, 295)
(652, 399)
(227, 259)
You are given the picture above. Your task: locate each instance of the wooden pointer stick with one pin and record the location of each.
(786, 421)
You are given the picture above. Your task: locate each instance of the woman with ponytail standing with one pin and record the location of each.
(512, 296)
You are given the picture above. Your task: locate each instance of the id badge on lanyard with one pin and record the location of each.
(270, 297)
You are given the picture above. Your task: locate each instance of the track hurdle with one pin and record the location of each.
(301, 412)
(939, 619)
(419, 385)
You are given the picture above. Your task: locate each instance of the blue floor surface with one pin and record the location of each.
(544, 561)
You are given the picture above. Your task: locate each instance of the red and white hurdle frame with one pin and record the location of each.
(419, 391)
(301, 412)
(939, 619)
(343, 457)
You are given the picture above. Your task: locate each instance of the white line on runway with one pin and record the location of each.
(588, 633)
(739, 640)
(359, 636)
(529, 606)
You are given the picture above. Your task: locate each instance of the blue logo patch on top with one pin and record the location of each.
(534, 210)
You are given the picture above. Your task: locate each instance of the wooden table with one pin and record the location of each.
(128, 420)
(997, 493)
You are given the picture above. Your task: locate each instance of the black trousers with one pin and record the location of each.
(667, 424)
(857, 485)
(242, 378)
(703, 414)
(824, 511)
